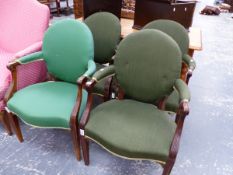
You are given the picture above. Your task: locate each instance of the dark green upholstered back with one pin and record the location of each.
(67, 48)
(106, 30)
(173, 29)
(147, 64)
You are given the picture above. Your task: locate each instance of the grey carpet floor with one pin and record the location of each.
(207, 141)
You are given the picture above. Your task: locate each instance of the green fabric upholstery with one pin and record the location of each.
(30, 57)
(189, 61)
(180, 92)
(104, 72)
(91, 68)
(180, 35)
(173, 29)
(67, 48)
(183, 90)
(48, 104)
(140, 68)
(131, 129)
(106, 30)
(99, 86)
(172, 103)
(101, 76)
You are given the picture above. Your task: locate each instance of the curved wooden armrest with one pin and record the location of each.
(183, 108)
(13, 86)
(81, 81)
(189, 75)
(182, 112)
(12, 65)
(85, 117)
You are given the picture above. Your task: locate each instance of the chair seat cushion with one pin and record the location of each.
(131, 129)
(172, 103)
(5, 77)
(48, 104)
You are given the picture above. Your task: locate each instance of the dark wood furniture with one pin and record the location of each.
(93, 6)
(48, 3)
(57, 9)
(230, 2)
(149, 10)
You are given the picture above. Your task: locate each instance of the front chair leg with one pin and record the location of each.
(6, 124)
(16, 127)
(168, 167)
(85, 149)
(76, 142)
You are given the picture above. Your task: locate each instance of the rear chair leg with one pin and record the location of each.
(6, 123)
(85, 149)
(16, 127)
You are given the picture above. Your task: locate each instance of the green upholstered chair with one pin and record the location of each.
(180, 35)
(106, 31)
(68, 51)
(133, 126)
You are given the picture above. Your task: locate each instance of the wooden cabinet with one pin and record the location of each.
(149, 10)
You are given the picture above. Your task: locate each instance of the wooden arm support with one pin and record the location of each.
(181, 114)
(74, 115)
(189, 75)
(85, 117)
(12, 66)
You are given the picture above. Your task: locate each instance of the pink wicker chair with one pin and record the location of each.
(22, 26)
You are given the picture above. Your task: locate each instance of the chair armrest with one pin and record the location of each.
(30, 49)
(183, 90)
(103, 73)
(24, 60)
(184, 97)
(191, 66)
(12, 66)
(189, 62)
(81, 82)
(91, 69)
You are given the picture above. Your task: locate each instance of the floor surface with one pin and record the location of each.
(207, 141)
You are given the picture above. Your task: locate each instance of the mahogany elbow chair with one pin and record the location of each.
(106, 31)
(135, 126)
(180, 35)
(68, 52)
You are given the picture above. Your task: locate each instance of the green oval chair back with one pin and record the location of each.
(106, 30)
(140, 61)
(173, 29)
(67, 55)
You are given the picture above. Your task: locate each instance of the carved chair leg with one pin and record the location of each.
(6, 123)
(168, 167)
(76, 142)
(15, 125)
(85, 149)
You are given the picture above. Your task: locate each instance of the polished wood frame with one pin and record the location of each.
(74, 127)
(182, 112)
(5, 122)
